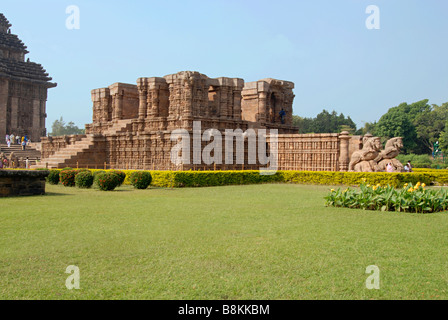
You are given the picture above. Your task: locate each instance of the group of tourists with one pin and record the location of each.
(20, 140)
(407, 168)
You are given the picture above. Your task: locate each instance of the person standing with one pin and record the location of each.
(7, 138)
(8, 142)
(23, 144)
(282, 114)
(27, 163)
(11, 138)
(409, 166)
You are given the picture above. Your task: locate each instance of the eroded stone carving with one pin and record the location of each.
(388, 155)
(364, 160)
(372, 159)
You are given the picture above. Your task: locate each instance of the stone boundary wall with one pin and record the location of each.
(316, 152)
(309, 152)
(22, 183)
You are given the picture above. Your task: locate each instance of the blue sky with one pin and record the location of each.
(323, 46)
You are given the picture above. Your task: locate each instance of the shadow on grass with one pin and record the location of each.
(55, 194)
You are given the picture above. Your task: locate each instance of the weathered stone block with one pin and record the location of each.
(22, 183)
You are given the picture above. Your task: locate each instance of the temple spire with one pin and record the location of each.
(4, 24)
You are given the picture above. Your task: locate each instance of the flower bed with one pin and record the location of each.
(411, 198)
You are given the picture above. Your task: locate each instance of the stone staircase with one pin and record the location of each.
(76, 153)
(67, 157)
(29, 152)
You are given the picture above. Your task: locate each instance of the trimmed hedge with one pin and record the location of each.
(84, 179)
(95, 176)
(53, 177)
(140, 179)
(179, 179)
(121, 176)
(67, 177)
(356, 178)
(107, 181)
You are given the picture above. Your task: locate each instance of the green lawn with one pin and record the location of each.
(274, 241)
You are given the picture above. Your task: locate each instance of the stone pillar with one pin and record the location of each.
(142, 104)
(223, 101)
(118, 107)
(344, 159)
(238, 85)
(188, 103)
(96, 106)
(262, 104)
(155, 102)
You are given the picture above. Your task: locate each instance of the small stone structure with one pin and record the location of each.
(23, 88)
(22, 183)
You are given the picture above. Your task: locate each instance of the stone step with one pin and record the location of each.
(69, 154)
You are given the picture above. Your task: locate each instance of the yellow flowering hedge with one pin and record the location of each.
(178, 179)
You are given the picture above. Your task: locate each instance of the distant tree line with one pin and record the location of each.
(60, 128)
(420, 124)
(325, 122)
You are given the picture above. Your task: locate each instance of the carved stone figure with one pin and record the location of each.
(388, 155)
(364, 160)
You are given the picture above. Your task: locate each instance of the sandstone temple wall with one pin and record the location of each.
(309, 152)
(132, 126)
(264, 99)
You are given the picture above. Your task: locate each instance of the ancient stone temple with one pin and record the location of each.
(132, 124)
(23, 88)
(133, 128)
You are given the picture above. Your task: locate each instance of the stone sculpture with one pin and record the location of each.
(364, 160)
(372, 159)
(388, 155)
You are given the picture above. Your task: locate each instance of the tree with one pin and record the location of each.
(369, 127)
(430, 124)
(60, 128)
(325, 122)
(443, 139)
(304, 124)
(399, 122)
